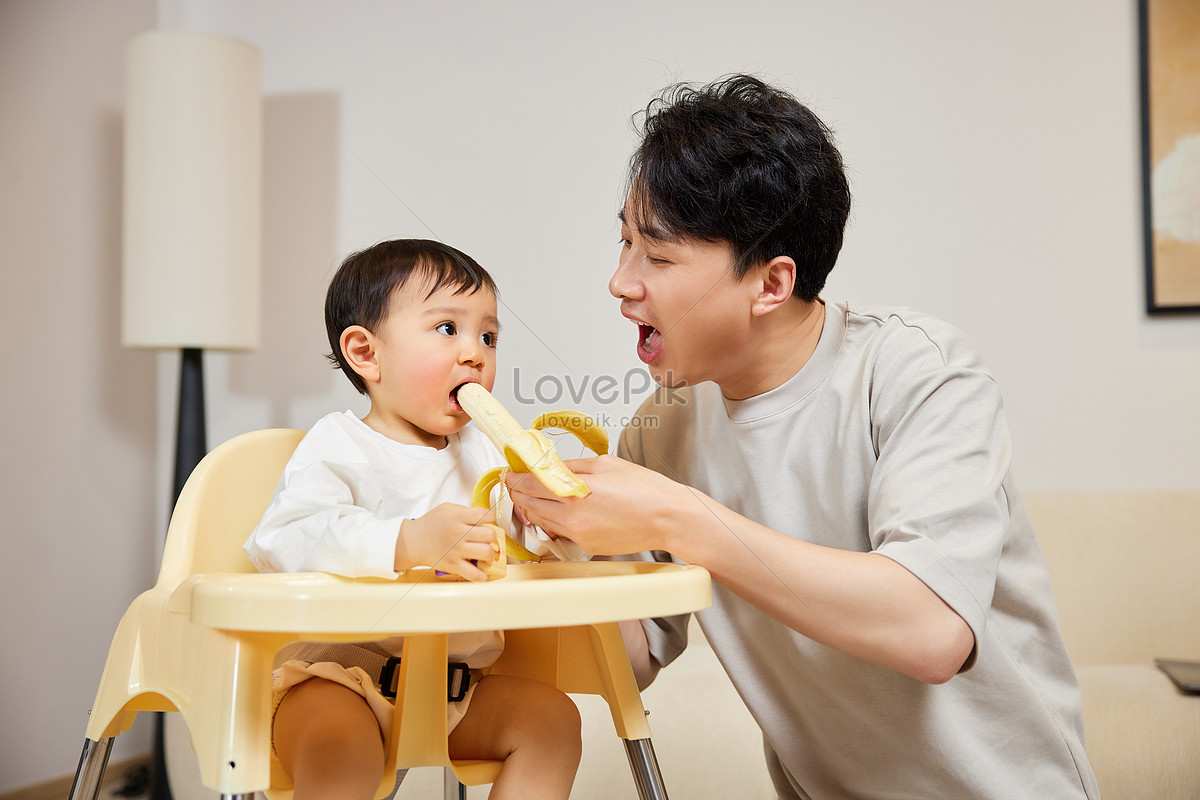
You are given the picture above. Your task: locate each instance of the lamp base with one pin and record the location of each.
(191, 445)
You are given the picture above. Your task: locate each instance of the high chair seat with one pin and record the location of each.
(203, 639)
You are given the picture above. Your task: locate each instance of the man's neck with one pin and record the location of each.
(784, 341)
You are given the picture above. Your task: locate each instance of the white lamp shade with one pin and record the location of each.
(193, 192)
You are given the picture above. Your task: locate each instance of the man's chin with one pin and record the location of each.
(667, 378)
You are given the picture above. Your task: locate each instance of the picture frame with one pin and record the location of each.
(1169, 39)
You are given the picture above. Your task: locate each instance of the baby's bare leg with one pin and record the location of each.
(533, 727)
(329, 742)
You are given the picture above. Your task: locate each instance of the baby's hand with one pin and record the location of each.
(449, 538)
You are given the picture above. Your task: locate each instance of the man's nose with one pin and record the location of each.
(624, 283)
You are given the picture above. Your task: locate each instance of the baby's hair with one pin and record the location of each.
(362, 288)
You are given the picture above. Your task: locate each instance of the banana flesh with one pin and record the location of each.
(531, 450)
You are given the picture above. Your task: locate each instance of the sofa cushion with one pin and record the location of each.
(1123, 568)
(1143, 734)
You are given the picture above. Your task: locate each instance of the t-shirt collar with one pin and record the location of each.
(804, 382)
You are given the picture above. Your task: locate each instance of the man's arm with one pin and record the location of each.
(864, 604)
(645, 668)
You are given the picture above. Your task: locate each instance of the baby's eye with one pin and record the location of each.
(490, 339)
(446, 328)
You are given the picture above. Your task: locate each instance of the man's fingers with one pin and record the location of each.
(538, 512)
(526, 483)
(584, 466)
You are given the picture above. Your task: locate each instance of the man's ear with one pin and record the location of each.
(358, 348)
(773, 285)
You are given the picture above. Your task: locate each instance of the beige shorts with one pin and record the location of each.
(356, 666)
(357, 680)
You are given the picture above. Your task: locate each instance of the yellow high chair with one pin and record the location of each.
(203, 639)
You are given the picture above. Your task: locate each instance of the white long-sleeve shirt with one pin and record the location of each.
(347, 489)
(343, 495)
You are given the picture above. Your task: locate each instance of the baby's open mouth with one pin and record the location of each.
(454, 395)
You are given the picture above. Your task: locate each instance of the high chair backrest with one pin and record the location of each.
(222, 502)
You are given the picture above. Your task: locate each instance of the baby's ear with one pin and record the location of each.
(358, 348)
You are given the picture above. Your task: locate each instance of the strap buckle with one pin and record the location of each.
(458, 680)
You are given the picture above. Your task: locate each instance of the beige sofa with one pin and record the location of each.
(1125, 567)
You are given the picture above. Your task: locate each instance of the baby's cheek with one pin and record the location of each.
(428, 382)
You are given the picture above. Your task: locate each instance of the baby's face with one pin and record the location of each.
(427, 348)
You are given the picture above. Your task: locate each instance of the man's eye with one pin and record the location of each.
(446, 328)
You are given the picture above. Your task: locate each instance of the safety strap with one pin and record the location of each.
(458, 679)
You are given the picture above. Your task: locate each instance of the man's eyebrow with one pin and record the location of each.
(653, 232)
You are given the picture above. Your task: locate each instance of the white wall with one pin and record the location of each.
(77, 439)
(993, 151)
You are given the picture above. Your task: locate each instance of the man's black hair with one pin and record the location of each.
(742, 162)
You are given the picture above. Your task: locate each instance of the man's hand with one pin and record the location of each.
(627, 511)
(449, 538)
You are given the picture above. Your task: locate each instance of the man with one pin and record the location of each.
(843, 472)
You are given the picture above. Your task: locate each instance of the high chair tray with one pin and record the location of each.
(530, 596)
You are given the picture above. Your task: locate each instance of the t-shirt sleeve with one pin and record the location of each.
(937, 502)
(666, 636)
(315, 522)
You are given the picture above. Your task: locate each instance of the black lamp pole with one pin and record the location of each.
(191, 444)
(191, 440)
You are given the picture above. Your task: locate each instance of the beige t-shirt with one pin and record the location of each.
(891, 439)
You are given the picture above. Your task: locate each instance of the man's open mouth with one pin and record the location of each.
(650, 340)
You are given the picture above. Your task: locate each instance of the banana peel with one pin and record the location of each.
(482, 498)
(584, 428)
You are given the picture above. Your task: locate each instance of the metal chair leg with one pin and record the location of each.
(453, 789)
(646, 774)
(90, 772)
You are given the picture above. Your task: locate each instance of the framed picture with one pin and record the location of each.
(1169, 31)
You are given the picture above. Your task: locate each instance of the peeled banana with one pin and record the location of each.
(528, 450)
(531, 450)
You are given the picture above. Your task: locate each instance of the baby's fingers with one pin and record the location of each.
(483, 533)
(468, 570)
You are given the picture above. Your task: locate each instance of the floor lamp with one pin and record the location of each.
(192, 221)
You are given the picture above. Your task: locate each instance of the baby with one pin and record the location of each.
(409, 321)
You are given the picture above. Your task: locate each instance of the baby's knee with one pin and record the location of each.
(321, 719)
(559, 723)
